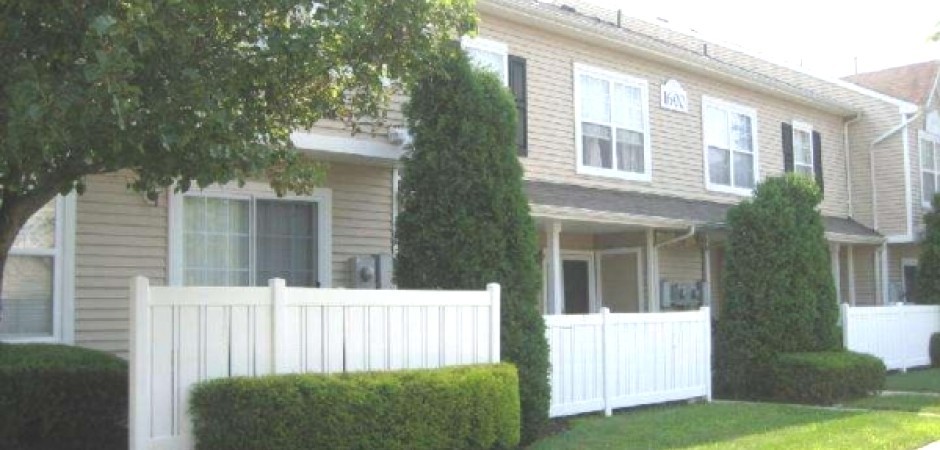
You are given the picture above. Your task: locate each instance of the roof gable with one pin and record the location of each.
(912, 82)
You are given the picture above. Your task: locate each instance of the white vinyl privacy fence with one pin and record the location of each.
(606, 361)
(899, 335)
(183, 335)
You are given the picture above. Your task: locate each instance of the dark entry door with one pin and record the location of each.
(577, 286)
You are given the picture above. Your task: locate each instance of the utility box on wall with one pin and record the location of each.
(682, 294)
(370, 271)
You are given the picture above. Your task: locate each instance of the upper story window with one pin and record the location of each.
(488, 54)
(511, 69)
(929, 166)
(612, 125)
(730, 146)
(802, 150)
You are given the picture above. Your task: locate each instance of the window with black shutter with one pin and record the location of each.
(517, 84)
(786, 133)
(817, 161)
(802, 150)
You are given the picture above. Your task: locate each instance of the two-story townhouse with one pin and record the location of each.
(913, 179)
(635, 140)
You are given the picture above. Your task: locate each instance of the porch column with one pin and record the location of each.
(707, 274)
(652, 273)
(850, 262)
(555, 295)
(836, 270)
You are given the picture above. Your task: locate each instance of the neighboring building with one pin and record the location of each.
(635, 140)
(917, 84)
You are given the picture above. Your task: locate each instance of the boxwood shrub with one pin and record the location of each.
(471, 407)
(825, 378)
(935, 350)
(61, 397)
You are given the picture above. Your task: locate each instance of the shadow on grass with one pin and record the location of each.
(687, 426)
(900, 402)
(916, 380)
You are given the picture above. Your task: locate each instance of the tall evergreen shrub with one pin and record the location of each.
(928, 270)
(464, 218)
(779, 292)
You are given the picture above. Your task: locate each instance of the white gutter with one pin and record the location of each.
(908, 195)
(848, 161)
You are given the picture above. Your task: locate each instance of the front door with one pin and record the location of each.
(577, 285)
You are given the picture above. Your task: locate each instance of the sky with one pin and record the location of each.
(828, 37)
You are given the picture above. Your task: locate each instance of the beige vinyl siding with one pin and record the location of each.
(119, 235)
(680, 262)
(393, 117)
(676, 138)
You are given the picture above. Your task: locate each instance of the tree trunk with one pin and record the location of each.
(15, 211)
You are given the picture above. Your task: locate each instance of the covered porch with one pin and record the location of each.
(636, 252)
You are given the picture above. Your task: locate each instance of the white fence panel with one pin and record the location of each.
(899, 335)
(181, 336)
(606, 361)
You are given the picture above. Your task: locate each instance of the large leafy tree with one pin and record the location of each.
(779, 292)
(192, 91)
(465, 219)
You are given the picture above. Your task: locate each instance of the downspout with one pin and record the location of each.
(685, 236)
(871, 161)
(848, 161)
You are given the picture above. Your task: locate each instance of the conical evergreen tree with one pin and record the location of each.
(928, 270)
(779, 292)
(464, 218)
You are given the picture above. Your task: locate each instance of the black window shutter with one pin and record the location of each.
(817, 160)
(517, 84)
(786, 133)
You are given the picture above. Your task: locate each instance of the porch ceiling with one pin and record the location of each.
(583, 206)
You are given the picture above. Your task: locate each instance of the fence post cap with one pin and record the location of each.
(277, 282)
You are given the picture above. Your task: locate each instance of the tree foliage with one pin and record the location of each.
(928, 270)
(779, 292)
(204, 92)
(465, 219)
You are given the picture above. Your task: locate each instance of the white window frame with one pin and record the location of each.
(63, 274)
(250, 192)
(638, 251)
(730, 107)
(491, 46)
(923, 136)
(808, 129)
(612, 77)
(587, 256)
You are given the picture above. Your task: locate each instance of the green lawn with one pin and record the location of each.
(747, 426)
(925, 380)
(901, 402)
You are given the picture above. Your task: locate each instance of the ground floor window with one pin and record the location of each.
(33, 279)
(238, 239)
(909, 280)
(592, 279)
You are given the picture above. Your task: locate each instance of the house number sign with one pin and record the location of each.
(674, 97)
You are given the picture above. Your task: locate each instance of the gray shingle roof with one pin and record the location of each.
(653, 205)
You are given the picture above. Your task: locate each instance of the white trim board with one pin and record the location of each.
(369, 148)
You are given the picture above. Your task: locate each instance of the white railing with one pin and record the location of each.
(899, 335)
(183, 335)
(606, 361)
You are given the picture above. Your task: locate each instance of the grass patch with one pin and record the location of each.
(747, 426)
(900, 402)
(925, 380)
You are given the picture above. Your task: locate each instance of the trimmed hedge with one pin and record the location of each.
(470, 407)
(61, 397)
(825, 378)
(935, 350)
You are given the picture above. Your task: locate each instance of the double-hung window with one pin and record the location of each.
(33, 279)
(730, 146)
(612, 124)
(803, 149)
(929, 166)
(245, 240)
(488, 54)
